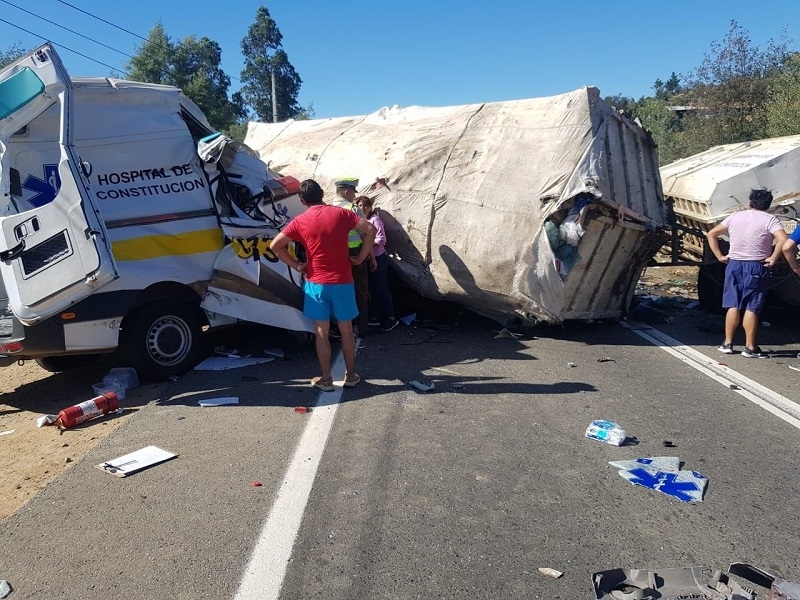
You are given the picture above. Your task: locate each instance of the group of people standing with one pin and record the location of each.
(345, 271)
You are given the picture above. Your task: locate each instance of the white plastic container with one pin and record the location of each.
(102, 388)
(606, 431)
(123, 376)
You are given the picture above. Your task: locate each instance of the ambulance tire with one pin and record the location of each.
(164, 340)
(57, 364)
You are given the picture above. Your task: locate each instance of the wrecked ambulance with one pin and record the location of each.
(128, 223)
(705, 188)
(545, 209)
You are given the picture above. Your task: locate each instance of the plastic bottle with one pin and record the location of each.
(606, 431)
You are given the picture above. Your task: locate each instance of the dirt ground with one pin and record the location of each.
(30, 457)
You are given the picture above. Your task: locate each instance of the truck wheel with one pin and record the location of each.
(163, 340)
(57, 364)
(710, 281)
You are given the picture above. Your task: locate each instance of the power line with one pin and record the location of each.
(65, 47)
(67, 28)
(157, 44)
(103, 20)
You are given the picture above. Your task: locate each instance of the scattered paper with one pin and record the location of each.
(662, 463)
(7, 432)
(46, 420)
(5, 588)
(663, 474)
(421, 386)
(550, 572)
(505, 333)
(408, 319)
(219, 401)
(443, 370)
(135, 461)
(223, 363)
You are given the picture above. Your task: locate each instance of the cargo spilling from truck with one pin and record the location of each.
(544, 209)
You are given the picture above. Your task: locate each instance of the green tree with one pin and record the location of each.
(12, 53)
(669, 89)
(151, 63)
(783, 101)
(729, 91)
(665, 126)
(193, 65)
(264, 57)
(196, 70)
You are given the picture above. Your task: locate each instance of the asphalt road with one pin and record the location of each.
(461, 492)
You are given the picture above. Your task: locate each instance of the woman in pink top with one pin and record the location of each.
(382, 305)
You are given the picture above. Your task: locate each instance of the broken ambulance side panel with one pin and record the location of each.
(56, 253)
(480, 200)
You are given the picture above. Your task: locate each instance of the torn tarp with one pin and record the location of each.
(466, 194)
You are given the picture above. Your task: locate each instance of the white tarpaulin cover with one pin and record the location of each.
(477, 198)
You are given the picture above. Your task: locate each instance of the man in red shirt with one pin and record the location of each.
(329, 291)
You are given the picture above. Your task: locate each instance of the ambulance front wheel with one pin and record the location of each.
(163, 340)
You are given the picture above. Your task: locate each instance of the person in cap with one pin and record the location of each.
(328, 288)
(345, 198)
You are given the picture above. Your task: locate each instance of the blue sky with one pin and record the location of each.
(356, 56)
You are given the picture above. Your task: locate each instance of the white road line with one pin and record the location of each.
(771, 401)
(266, 569)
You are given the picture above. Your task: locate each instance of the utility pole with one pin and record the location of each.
(274, 101)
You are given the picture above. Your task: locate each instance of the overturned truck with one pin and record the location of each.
(705, 188)
(544, 209)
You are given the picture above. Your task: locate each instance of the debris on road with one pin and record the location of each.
(218, 401)
(46, 420)
(550, 572)
(607, 432)
(135, 461)
(443, 370)
(421, 386)
(85, 411)
(223, 363)
(408, 319)
(5, 588)
(506, 334)
(302, 409)
(7, 432)
(663, 474)
(606, 359)
(571, 365)
(257, 484)
(687, 582)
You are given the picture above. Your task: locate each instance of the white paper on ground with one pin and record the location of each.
(219, 401)
(135, 461)
(660, 463)
(7, 432)
(223, 363)
(421, 386)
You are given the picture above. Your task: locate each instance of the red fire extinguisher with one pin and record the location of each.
(96, 407)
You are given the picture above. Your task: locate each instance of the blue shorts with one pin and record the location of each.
(325, 299)
(746, 283)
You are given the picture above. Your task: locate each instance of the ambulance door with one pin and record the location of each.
(56, 254)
